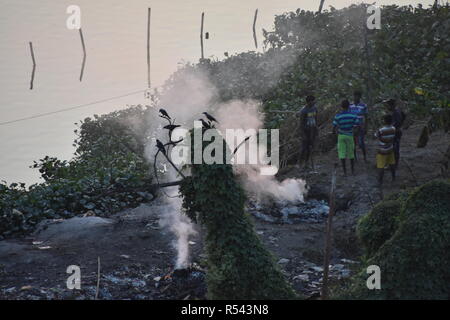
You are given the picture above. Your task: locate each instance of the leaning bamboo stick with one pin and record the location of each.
(84, 54)
(148, 48)
(34, 66)
(328, 236)
(254, 29)
(201, 35)
(98, 280)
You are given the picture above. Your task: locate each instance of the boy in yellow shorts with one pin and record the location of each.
(385, 152)
(344, 122)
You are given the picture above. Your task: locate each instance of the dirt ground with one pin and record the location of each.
(136, 253)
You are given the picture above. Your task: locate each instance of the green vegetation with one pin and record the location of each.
(107, 174)
(412, 250)
(239, 267)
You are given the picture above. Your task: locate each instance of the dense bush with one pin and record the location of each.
(378, 226)
(239, 267)
(414, 261)
(108, 173)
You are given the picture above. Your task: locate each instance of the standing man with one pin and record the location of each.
(359, 108)
(345, 122)
(398, 117)
(385, 152)
(308, 129)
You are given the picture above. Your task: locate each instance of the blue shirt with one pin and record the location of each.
(345, 121)
(360, 110)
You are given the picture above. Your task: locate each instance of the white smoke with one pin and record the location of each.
(179, 224)
(188, 95)
(246, 115)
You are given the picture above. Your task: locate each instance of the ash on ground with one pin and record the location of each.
(311, 211)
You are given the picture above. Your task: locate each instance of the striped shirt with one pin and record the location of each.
(386, 136)
(345, 121)
(360, 110)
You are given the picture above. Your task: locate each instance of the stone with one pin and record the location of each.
(283, 261)
(317, 269)
(302, 277)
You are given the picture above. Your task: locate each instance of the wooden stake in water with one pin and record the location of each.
(148, 47)
(328, 236)
(201, 35)
(254, 29)
(321, 6)
(84, 54)
(34, 66)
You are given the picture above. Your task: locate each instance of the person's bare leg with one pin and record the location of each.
(344, 167)
(392, 168)
(380, 176)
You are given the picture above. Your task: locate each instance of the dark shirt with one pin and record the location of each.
(397, 118)
(308, 117)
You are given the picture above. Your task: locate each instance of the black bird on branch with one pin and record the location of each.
(160, 146)
(210, 117)
(164, 114)
(205, 124)
(171, 127)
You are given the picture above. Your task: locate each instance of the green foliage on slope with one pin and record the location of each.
(108, 173)
(414, 260)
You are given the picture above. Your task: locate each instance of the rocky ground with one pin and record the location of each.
(137, 255)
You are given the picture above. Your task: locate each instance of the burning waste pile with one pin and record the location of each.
(183, 283)
(284, 202)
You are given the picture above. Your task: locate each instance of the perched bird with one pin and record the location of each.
(205, 124)
(164, 113)
(171, 127)
(210, 117)
(160, 146)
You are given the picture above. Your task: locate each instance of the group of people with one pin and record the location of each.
(350, 125)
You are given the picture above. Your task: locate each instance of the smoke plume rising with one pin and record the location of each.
(188, 95)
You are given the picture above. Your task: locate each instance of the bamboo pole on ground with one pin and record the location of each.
(84, 54)
(201, 35)
(328, 236)
(34, 66)
(254, 29)
(98, 279)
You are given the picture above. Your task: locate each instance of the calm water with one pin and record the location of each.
(115, 36)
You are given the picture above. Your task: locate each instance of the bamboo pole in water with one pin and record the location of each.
(148, 48)
(201, 35)
(254, 29)
(321, 6)
(34, 66)
(84, 54)
(328, 236)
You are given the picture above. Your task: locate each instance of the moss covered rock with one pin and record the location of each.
(415, 260)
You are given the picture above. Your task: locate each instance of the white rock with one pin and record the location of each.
(317, 269)
(302, 277)
(283, 261)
